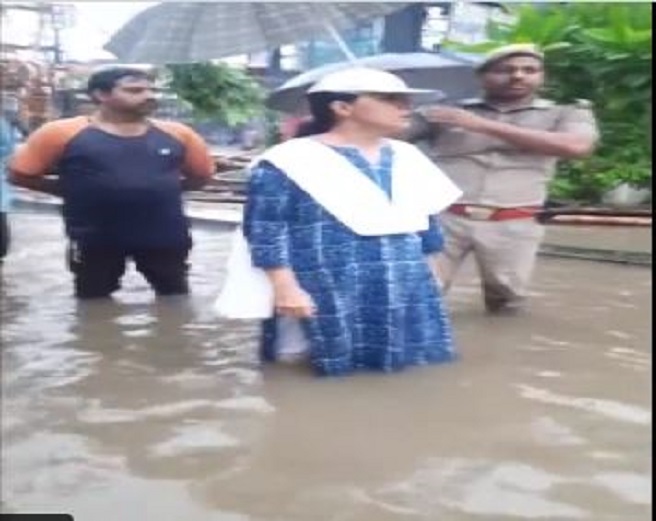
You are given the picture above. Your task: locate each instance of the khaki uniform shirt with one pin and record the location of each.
(492, 172)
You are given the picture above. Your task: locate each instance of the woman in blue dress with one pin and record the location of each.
(365, 299)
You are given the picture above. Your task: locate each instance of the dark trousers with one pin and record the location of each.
(97, 271)
(4, 235)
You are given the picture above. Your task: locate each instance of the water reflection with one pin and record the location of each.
(140, 408)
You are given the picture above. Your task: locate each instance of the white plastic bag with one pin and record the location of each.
(247, 292)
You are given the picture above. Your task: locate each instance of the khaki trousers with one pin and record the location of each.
(505, 253)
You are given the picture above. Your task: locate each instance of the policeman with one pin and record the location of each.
(502, 150)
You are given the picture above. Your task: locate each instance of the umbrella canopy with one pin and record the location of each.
(177, 32)
(452, 77)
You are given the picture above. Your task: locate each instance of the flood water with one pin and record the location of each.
(138, 410)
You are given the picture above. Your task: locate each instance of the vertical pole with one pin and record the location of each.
(340, 42)
(58, 49)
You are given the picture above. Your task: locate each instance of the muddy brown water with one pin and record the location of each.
(136, 409)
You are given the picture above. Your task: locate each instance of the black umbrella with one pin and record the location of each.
(453, 77)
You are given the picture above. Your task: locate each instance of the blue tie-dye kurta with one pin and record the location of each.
(379, 307)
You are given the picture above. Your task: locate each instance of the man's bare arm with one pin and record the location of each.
(191, 184)
(45, 184)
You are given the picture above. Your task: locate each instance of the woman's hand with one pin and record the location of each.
(292, 301)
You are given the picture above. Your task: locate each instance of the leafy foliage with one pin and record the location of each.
(600, 52)
(217, 92)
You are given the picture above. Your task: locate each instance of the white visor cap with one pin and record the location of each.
(364, 80)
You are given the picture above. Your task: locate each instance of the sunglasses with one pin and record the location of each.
(388, 97)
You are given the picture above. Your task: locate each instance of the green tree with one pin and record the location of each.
(217, 92)
(600, 52)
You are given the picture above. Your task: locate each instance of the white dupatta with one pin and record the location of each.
(419, 189)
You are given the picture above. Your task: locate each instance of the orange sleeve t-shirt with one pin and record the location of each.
(47, 144)
(118, 191)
